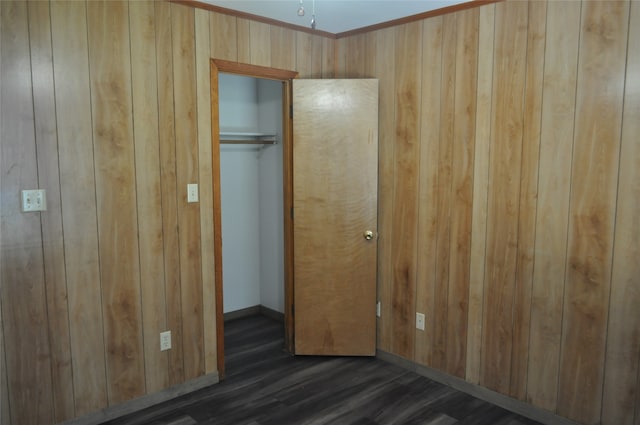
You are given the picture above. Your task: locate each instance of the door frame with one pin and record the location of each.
(285, 76)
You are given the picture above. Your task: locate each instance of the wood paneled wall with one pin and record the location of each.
(106, 105)
(508, 213)
(509, 187)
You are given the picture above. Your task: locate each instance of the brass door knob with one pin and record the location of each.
(368, 235)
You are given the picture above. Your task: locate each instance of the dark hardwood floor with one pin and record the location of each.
(265, 385)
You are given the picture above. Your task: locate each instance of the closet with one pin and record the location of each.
(251, 183)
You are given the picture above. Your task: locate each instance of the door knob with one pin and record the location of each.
(368, 235)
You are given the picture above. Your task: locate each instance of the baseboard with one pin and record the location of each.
(239, 314)
(520, 407)
(254, 311)
(131, 406)
(272, 314)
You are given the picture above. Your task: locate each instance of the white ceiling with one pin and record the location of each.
(332, 15)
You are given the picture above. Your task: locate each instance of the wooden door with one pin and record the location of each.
(335, 184)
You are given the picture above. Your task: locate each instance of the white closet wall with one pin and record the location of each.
(251, 191)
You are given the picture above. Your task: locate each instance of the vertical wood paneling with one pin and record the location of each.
(187, 171)
(480, 190)
(356, 59)
(77, 189)
(442, 198)
(167, 140)
(385, 41)
(303, 54)
(316, 56)
(283, 48)
(51, 221)
(528, 198)
(148, 191)
(25, 323)
(554, 182)
(504, 193)
(114, 156)
(408, 49)
(427, 212)
(328, 57)
(260, 40)
(205, 171)
(466, 54)
(621, 390)
(243, 28)
(224, 36)
(601, 67)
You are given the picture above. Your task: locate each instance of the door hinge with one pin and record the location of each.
(291, 213)
(290, 111)
(293, 310)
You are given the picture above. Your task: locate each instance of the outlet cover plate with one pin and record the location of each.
(420, 321)
(165, 340)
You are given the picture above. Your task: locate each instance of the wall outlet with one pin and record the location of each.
(378, 308)
(165, 340)
(420, 321)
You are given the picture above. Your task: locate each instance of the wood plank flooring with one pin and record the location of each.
(267, 386)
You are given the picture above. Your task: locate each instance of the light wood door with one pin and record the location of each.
(335, 183)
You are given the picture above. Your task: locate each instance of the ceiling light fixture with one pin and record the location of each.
(301, 9)
(313, 14)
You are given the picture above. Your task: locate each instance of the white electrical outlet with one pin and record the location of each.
(420, 321)
(378, 308)
(165, 340)
(34, 200)
(192, 192)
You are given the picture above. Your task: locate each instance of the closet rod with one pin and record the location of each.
(247, 142)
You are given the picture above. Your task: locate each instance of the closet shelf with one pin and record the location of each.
(247, 138)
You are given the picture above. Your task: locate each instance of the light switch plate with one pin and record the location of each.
(420, 321)
(192, 192)
(34, 200)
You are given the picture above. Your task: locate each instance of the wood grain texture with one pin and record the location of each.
(148, 191)
(328, 57)
(24, 304)
(224, 36)
(168, 179)
(554, 185)
(345, 324)
(308, 56)
(77, 188)
(51, 222)
(243, 42)
(480, 190)
(620, 391)
(408, 58)
(283, 48)
(356, 59)
(427, 213)
(599, 104)
(187, 171)
(260, 41)
(466, 54)
(205, 171)
(114, 156)
(442, 198)
(386, 147)
(504, 194)
(528, 199)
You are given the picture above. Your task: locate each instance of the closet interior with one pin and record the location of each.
(251, 180)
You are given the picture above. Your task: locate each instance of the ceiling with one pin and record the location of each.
(335, 16)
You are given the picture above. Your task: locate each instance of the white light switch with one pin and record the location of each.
(34, 200)
(192, 192)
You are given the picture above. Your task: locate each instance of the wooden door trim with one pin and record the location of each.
(217, 66)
